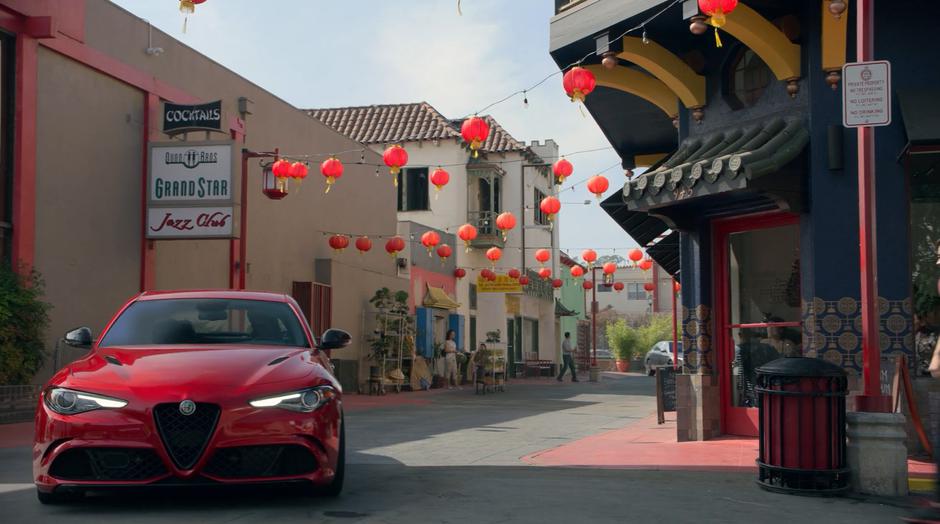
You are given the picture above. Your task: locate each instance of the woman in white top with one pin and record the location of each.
(450, 360)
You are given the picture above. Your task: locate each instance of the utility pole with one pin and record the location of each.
(872, 400)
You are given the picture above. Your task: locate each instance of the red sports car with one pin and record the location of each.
(201, 387)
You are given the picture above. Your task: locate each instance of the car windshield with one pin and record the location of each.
(206, 321)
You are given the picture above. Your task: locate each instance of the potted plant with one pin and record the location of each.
(624, 343)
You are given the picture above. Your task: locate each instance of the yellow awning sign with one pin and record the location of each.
(502, 284)
(438, 298)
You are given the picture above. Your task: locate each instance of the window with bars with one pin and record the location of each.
(413, 189)
(635, 291)
(540, 217)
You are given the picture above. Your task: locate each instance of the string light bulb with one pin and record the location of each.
(525, 99)
(645, 39)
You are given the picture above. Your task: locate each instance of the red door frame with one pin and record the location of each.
(732, 418)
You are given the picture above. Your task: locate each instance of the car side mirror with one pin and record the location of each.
(334, 339)
(79, 338)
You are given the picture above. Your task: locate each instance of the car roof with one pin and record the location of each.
(213, 293)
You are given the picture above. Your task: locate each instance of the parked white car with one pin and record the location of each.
(661, 355)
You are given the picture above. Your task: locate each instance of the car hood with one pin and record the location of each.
(232, 367)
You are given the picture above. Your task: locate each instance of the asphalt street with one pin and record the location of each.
(457, 459)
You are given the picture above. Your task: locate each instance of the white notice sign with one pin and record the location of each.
(866, 94)
(191, 172)
(190, 222)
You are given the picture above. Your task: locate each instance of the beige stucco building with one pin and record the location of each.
(87, 100)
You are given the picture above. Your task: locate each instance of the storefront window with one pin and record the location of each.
(925, 241)
(763, 279)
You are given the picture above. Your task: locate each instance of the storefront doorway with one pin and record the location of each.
(757, 308)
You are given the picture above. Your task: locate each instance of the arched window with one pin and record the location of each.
(746, 80)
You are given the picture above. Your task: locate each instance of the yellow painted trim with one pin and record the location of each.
(916, 484)
(774, 48)
(667, 67)
(637, 83)
(648, 160)
(834, 38)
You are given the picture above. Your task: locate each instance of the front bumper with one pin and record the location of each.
(123, 447)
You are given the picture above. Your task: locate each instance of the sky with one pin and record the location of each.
(319, 53)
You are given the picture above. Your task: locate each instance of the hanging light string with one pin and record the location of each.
(639, 27)
(300, 157)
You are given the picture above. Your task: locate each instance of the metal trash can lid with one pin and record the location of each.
(801, 367)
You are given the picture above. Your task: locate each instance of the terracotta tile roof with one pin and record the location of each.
(387, 124)
(393, 123)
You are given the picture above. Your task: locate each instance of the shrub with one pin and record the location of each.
(655, 329)
(23, 320)
(624, 341)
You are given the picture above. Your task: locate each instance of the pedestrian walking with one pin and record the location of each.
(567, 355)
(450, 360)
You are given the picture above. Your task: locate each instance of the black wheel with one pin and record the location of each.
(649, 370)
(334, 488)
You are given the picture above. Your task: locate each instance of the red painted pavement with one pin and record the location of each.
(647, 445)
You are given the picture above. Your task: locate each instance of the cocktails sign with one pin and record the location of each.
(179, 118)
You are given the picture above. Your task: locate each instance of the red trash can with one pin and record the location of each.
(801, 405)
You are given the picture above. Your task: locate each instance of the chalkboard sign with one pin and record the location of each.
(665, 391)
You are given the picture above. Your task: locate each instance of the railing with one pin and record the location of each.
(487, 234)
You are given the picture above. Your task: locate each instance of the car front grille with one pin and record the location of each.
(107, 464)
(261, 462)
(185, 436)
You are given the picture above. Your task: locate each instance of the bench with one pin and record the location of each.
(533, 363)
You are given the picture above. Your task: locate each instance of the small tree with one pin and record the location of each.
(624, 341)
(655, 329)
(390, 309)
(23, 320)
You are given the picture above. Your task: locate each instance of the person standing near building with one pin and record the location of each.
(450, 360)
(567, 355)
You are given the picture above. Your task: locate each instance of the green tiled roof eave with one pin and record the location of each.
(754, 151)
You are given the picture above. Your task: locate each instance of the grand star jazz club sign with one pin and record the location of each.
(191, 193)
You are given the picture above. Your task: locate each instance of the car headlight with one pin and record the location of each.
(66, 401)
(305, 400)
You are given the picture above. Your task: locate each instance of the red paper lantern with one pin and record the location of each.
(494, 254)
(363, 244)
(610, 268)
(439, 178)
(618, 286)
(460, 272)
(589, 256)
(597, 184)
(298, 171)
(562, 169)
(676, 287)
(504, 222)
(649, 287)
(557, 283)
(467, 233)
(577, 271)
(339, 242)
(635, 255)
(487, 274)
(430, 239)
(550, 206)
(545, 273)
(514, 273)
(524, 280)
(444, 251)
(395, 157)
(332, 169)
(646, 265)
(587, 284)
(578, 83)
(542, 255)
(395, 245)
(474, 131)
(492, 276)
(281, 168)
(188, 7)
(717, 11)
